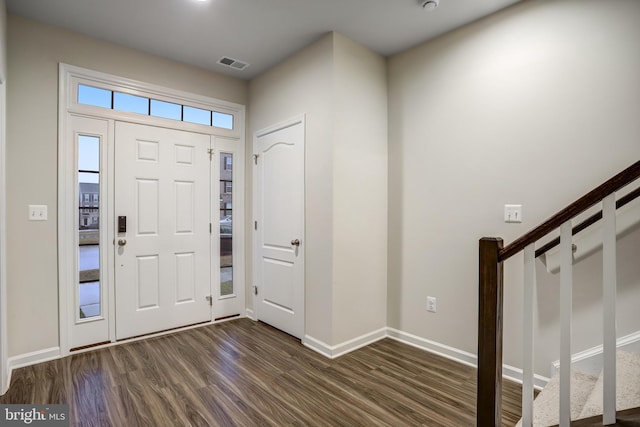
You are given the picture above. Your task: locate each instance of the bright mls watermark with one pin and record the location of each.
(34, 415)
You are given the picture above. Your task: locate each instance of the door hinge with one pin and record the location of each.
(210, 299)
(255, 290)
(210, 151)
(210, 228)
(255, 225)
(255, 158)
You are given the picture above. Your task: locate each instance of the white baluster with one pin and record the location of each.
(527, 335)
(566, 291)
(609, 283)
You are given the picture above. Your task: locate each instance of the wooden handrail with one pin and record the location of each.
(625, 200)
(585, 202)
(491, 258)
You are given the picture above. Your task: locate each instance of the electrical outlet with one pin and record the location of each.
(432, 303)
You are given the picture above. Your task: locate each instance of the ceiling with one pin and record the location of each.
(259, 32)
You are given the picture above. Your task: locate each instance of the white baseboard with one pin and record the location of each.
(338, 350)
(27, 359)
(452, 353)
(6, 380)
(443, 350)
(460, 356)
(590, 360)
(317, 346)
(515, 374)
(251, 314)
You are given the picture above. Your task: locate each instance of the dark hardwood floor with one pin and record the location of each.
(243, 373)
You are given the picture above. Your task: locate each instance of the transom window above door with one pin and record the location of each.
(114, 100)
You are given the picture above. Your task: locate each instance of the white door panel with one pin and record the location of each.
(163, 269)
(279, 290)
(280, 240)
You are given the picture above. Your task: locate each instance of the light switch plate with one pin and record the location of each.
(37, 212)
(512, 213)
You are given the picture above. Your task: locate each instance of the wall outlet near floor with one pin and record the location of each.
(432, 304)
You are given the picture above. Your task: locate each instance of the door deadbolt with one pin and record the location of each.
(295, 242)
(122, 224)
(122, 242)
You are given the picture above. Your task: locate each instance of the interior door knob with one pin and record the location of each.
(295, 242)
(122, 242)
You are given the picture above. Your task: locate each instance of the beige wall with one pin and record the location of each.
(3, 41)
(302, 84)
(34, 51)
(534, 105)
(3, 203)
(359, 191)
(341, 87)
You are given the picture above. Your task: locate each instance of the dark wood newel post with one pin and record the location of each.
(489, 400)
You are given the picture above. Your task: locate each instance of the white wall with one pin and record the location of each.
(359, 191)
(534, 105)
(341, 87)
(34, 51)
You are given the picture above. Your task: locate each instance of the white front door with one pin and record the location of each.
(280, 226)
(162, 271)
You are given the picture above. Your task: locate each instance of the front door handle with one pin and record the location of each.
(295, 242)
(122, 242)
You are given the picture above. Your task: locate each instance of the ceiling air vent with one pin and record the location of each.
(233, 63)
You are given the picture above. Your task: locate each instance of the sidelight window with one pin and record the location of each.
(88, 149)
(226, 226)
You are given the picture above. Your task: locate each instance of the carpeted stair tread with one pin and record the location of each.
(627, 386)
(546, 405)
(586, 392)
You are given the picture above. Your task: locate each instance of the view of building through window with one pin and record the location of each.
(89, 225)
(226, 224)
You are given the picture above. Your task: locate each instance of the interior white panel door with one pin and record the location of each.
(163, 259)
(280, 240)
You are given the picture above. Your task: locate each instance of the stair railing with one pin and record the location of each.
(492, 255)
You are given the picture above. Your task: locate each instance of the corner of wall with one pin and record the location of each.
(359, 190)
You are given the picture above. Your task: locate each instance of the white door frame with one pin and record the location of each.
(255, 239)
(102, 129)
(224, 306)
(69, 78)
